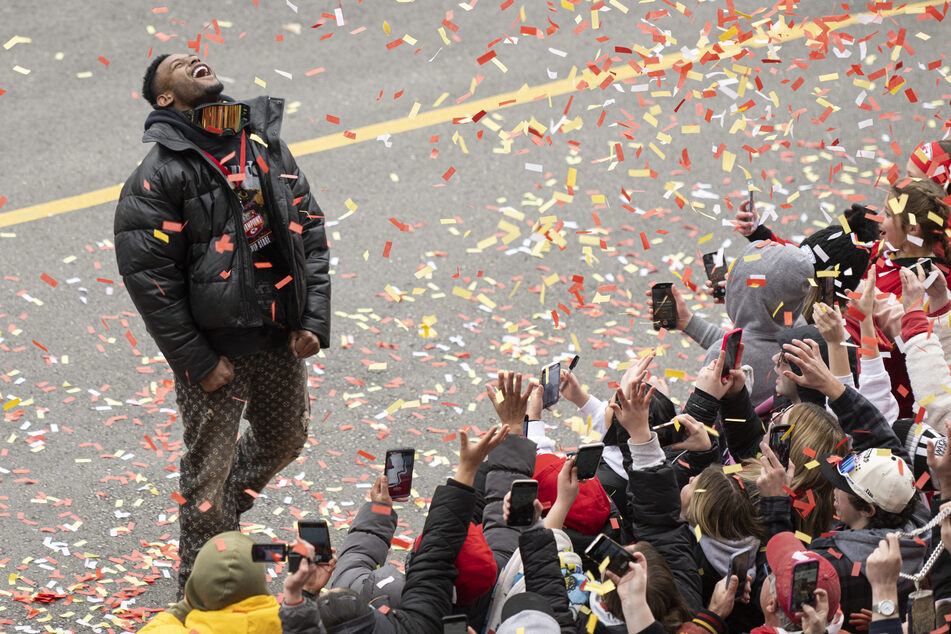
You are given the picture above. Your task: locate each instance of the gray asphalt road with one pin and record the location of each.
(454, 244)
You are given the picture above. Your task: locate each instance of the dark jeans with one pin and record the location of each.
(270, 389)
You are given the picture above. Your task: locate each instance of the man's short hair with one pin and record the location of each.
(149, 90)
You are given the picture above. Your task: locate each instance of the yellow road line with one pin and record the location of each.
(524, 95)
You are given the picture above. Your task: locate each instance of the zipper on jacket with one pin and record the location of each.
(243, 248)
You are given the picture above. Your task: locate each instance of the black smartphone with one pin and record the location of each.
(749, 184)
(715, 274)
(925, 265)
(317, 534)
(740, 564)
(522, 502)
(779, 443)
(587, 460)
(604, 547)
(731, 345)
(455, 624)
(664, 312)
(574, 362)
(827, 291)
(805, 578)
(550, 381)
(399, 471)
(670, 433)
(269, 553)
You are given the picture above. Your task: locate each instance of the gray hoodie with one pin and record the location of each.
(760, 309)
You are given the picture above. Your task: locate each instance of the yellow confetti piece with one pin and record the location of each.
(592, 618)
(732, 468)
(697, 533)
(935, 218)
(386, 27)
(803, 537)
(812, 464)
(844, 223)
(675, 374)
(260, 82)
(161, 235)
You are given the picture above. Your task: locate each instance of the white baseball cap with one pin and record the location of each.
(876, 475)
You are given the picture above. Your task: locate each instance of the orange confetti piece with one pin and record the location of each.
(204, 506)
(220, 544)
(178, 498)
(49, 280)
(381, 509)
(284, 282)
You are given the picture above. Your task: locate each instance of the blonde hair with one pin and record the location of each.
(814, 432)
(721, 507)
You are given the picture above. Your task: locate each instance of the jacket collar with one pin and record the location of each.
(266, 116)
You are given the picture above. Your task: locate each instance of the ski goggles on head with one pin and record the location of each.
(220, 118)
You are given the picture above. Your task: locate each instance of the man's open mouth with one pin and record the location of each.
(201, 70)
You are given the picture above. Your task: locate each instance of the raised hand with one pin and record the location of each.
(746, 219)
(815, 620)
(710, 380)
(632, 411)
(697, 437)
(912, 288)
(773, 477)
(511, 409)
(380, 492)
(815, 372)
(571, 389)
(471, 456)
(828, 320)
(683, 313)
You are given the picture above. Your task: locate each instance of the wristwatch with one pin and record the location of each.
(885, 607)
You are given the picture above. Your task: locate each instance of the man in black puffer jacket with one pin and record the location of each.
(223, 251)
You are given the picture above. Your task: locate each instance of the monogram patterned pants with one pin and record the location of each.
(270, 389)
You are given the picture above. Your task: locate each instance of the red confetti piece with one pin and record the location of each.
(856, 568)
(220, 544)
(261, 164)
(923, 479)
(482, 60)
(449, 437)
(224, 244)
(49, 280)
(129, 336)
(172, 227)
(43, 348)
(386, 249)
(178, 498)
(381, 509)
(103, 61)
(296, 228)
(449, 173)
(283, 282)
(204, 506)
(366, 455)
(252, 493)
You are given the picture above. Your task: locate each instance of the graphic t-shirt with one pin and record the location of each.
(269, 266)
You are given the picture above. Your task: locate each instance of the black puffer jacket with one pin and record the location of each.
(182, 283)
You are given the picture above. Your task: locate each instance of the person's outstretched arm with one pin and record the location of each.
(427, 595)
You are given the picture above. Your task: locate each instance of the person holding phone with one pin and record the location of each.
(764, 276)
(713, 505)
(228, 591)
(431, 574)
(796, 572)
